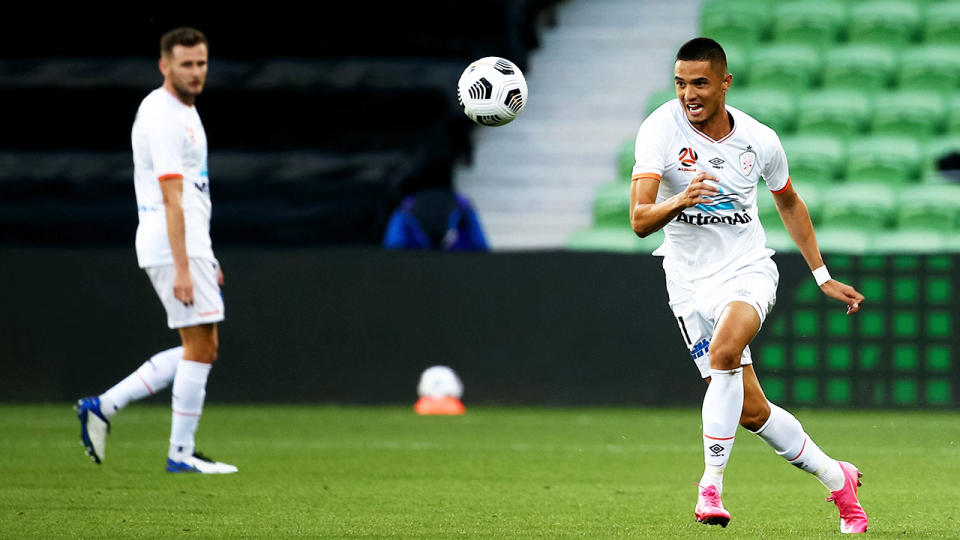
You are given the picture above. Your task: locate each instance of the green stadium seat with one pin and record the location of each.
(779, 240)
(907, 241)
(620, 239)
(741, 22)
(859, 67)
(626, 158)
(864, 206)
(738, 62)
(935, 68)
(814, 22)
(929, 207)
(914, 113)
(843, 240)
(775, 108)
(953, 114)
(767, 209)
(935, 155)
(841, 113)
(814, 159)
(611, 205)
(892, 22)
(793, 67)
(660, 97)
(941, 23)
(883, 159)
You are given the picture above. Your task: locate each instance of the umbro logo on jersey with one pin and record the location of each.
(717, 163)
(688, 157)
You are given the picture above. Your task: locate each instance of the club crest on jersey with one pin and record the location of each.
(688, 157)
(747, 159)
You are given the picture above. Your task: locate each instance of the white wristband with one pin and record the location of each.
(821, 275)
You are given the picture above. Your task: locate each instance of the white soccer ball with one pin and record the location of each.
(492, 91)
(438, 382)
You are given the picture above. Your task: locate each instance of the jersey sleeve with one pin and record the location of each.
(650, 157)
(775, 171)
(166, 138)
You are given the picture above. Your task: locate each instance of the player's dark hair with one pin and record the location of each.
(702, 48)
(186, 36)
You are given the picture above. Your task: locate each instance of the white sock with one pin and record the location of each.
(153, 376)
(722, 406)
(784, 434)
(189, 389)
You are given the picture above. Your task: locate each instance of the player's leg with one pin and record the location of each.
(96, 412)
(723, 400)
(200, 348)
(784, 433)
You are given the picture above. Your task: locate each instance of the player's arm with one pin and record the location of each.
(793, 211)
(172, 188)
(647, 216)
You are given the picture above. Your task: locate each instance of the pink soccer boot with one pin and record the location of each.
(710, 509)
(852, 517)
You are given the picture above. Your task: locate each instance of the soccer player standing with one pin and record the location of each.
(698, 165)
(174, 249)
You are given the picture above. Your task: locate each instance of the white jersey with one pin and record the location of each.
(168, 143)
(705, 240)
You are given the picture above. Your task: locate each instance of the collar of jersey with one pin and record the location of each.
(733, 127)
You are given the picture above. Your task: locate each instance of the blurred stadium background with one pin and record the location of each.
(320, 124)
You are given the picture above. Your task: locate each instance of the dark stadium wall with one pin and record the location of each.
(553, 328)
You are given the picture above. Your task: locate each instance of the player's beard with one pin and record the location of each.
(186, 93)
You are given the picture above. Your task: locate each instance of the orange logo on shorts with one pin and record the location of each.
(688, 157)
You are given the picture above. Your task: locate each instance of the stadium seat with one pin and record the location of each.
(660, 97)
(738, 62)
(611, 205)
(815, 22)
(915, 113)
(779, 240)
(814, 159)
(953, 114)
(865, 206)
(929, 207)
(767, 209)
(940, 23)
(619, 239)
(883, 159)
(941, 159)
(907, 241)
(840, 113)
(775, 108)
(626, 159)
(892, 22)
(934, 68)
(741, 22)
(859, 67)
(843, 240)
(792, 67)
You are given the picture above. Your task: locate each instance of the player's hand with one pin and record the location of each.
(700, 191)
(183, 287)
(219, 275)
(844, 293)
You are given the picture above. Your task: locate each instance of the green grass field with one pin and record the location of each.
(327, 471)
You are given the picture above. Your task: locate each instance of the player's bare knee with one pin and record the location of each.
(724, 358)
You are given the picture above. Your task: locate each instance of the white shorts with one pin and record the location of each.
(207, 300)
(697, 305)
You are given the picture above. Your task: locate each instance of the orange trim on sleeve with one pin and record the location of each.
(785, 186)
(171, 176)
(647, 175)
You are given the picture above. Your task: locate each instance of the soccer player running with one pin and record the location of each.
(174, 249)
(698, 165)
